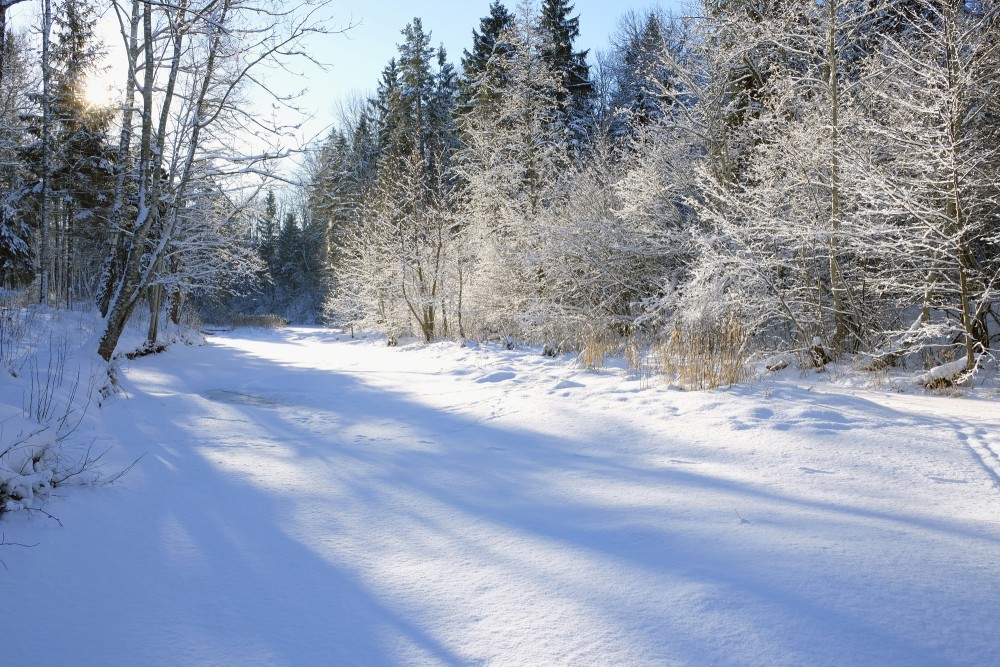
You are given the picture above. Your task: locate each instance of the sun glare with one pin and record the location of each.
(99, 92)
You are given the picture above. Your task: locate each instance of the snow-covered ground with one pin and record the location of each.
(304, 500)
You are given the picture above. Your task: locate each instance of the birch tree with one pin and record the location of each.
(190, 63)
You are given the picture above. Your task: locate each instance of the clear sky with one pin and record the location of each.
(357, 57)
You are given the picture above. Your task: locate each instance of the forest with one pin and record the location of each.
(428, 389)
(734, 179)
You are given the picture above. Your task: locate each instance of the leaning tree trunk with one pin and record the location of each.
(112, 261)
(129, 283)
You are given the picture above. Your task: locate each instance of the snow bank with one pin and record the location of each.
(945, 373)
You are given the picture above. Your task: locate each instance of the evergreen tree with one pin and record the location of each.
(441, 116)
(513, 167)
(4, 6)
(644, 80)
(485, 63)
(575, 94)
(389, 195)
(267, 234)
(383, 106)
(80, 167)
(289, 269)
(16, 252)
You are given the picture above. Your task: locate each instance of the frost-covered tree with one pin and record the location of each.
(641, 80)
(931, 181)
(780, 123)
(483, 63)
(190, 65)
(513, 169)
(393, 259)
(16, 252)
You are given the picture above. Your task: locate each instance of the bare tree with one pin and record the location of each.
(192, 63)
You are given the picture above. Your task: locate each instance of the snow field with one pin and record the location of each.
(306, 500)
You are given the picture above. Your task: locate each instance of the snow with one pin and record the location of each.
(946, 371)
(304, 499)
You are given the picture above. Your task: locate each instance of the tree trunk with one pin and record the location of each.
(176, 305)
(838, 286)
(155, 305)
(44, 249)
(112, 262)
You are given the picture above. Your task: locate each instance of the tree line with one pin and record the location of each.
(800, 170)
(146, 202)
(767, 174)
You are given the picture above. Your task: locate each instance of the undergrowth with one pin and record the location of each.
(44, 441)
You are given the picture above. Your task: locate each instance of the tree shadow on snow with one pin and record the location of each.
(371, 474)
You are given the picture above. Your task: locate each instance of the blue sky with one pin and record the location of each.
(357, 57)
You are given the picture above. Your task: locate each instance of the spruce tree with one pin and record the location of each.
(485, 64)
(643, 81)
(288, 277)
(559, 30)
(267, 233)
(80, 173)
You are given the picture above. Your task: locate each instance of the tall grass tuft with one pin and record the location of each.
(597, 346)
(705, 354)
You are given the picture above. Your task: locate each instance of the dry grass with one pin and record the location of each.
(596, 348)
(635, 353)
(705, 355)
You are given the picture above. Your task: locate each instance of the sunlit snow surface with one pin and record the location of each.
(305, 500)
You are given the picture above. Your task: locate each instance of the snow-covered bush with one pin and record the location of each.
(26, 471)
(52, 376)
